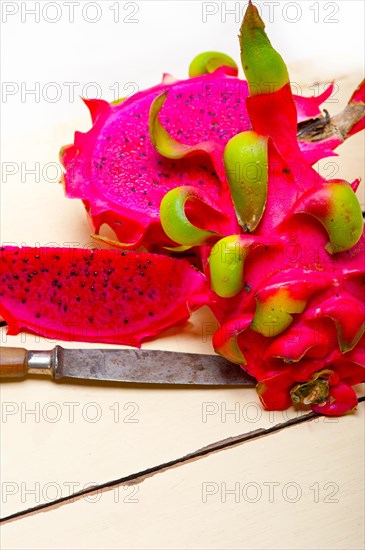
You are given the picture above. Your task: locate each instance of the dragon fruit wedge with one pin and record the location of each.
(223, 166)
(96, 295)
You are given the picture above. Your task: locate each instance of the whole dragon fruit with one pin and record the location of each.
(218, 164)
(290, 284)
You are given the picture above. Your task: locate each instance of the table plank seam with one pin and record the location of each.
(139, 477)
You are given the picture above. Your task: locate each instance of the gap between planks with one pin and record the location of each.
(139, 477)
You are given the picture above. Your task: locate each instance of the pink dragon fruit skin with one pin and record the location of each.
(121, 179)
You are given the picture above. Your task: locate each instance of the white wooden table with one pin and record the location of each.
(164, 468)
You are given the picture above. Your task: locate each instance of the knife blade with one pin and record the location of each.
(123, 365)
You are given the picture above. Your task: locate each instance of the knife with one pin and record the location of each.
(123, 365)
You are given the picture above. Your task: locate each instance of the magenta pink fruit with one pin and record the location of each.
(96, 295)
(121, 179)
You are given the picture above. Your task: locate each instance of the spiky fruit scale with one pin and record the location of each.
(96, 295)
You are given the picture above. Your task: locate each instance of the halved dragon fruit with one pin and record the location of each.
(120, 176)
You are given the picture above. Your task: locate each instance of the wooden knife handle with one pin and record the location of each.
(13, 362)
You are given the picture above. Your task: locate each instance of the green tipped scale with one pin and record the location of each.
(174, 221)
(226, 265)
(273, 315)
(263, 66)
(246, 166)
(208, 62)
(336, 207)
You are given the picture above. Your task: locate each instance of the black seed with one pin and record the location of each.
(150, 313)
(38, 315)
(78, 299)
(126, 321)
(133, 189)
(150, 203)
(141, 273)
(91, 319)
(286, 171)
